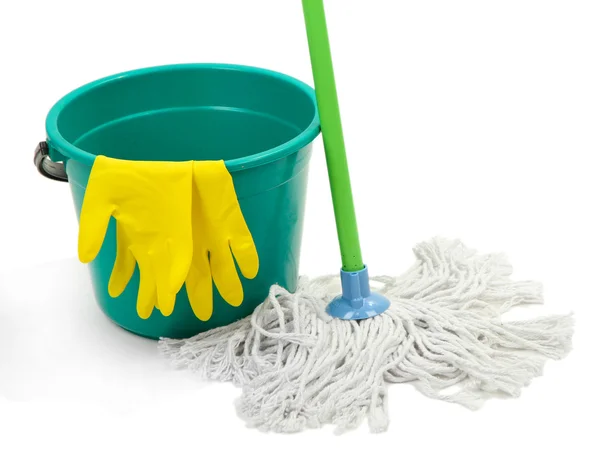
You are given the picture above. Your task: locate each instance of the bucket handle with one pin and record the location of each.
(46, 167)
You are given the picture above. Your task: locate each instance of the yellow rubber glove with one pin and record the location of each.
(219, 229)
(151, 203)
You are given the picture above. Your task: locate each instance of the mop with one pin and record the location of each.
(304, 360)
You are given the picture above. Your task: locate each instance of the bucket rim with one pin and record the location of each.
(303, 139)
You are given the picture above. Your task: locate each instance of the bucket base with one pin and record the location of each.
(129, 330)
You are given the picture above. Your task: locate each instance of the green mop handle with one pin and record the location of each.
(333, 136)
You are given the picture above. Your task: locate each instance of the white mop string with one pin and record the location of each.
(299, 368)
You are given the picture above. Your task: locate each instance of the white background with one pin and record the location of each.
(468, 119)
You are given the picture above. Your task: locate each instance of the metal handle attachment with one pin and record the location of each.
(51, 170)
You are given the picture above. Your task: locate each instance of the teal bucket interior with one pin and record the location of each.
(262, 123)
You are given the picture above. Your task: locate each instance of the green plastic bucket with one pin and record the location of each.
(262, 123)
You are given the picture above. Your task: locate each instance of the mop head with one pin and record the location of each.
(299, 368)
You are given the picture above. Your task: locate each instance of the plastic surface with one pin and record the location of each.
(220, 235)
(151, 203)
(333, 136)
(261, 123)
(357, 301)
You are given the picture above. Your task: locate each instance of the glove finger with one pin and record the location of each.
(180, 255)
(161, 262)
(96, 211)
(245, 253)
(242, 244)
(199, 287)
(226, 276)
(147, 296)
(93, 223)
(124, 266)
